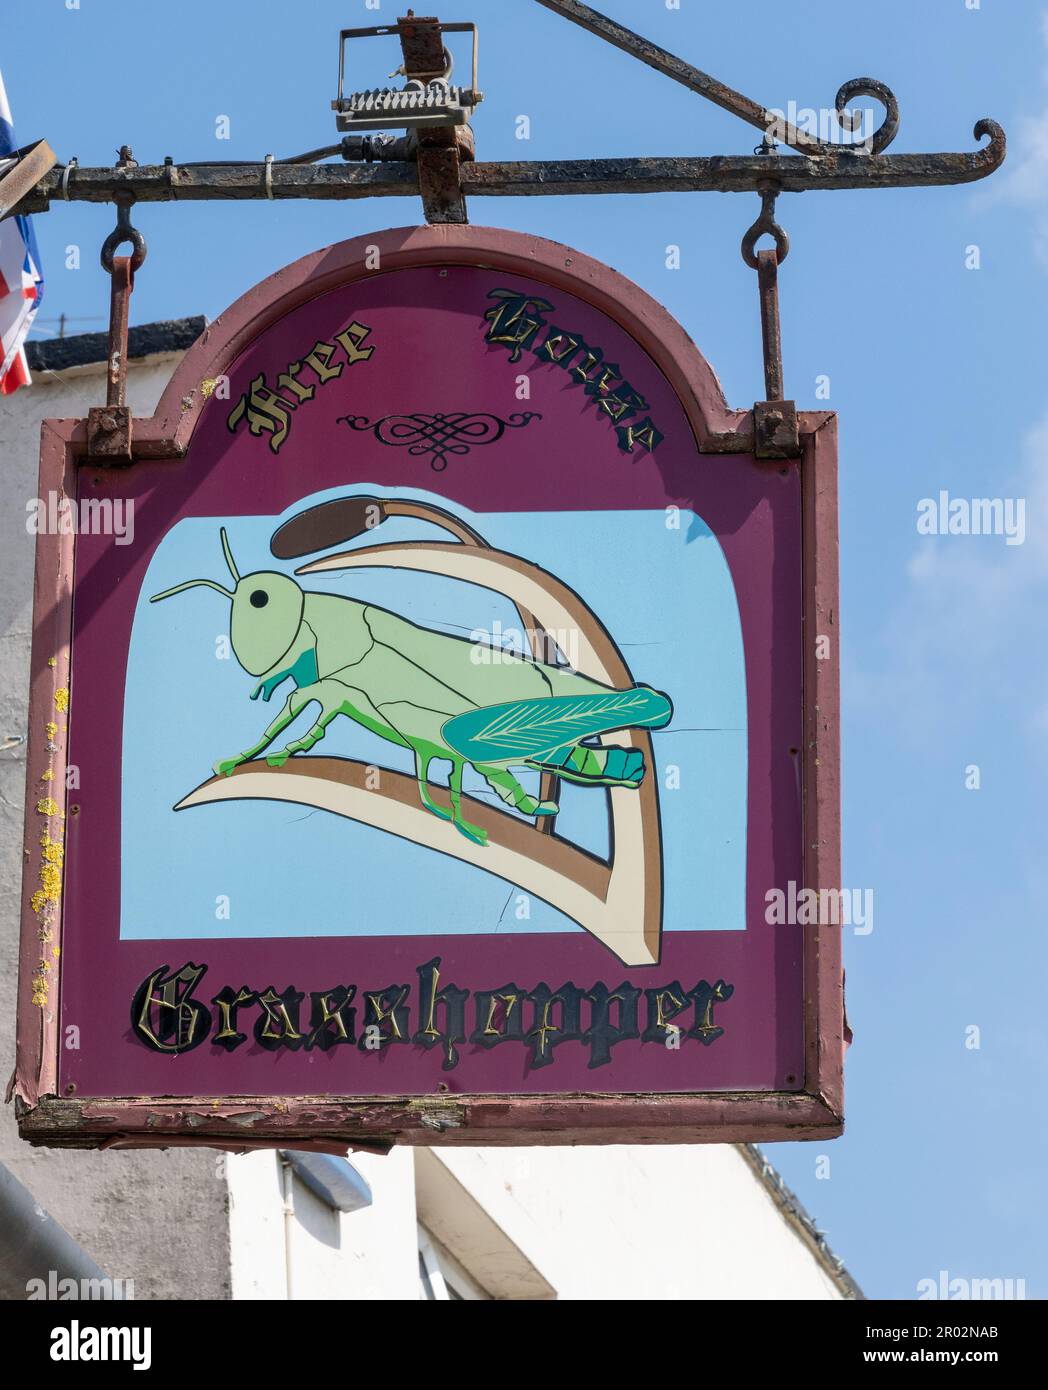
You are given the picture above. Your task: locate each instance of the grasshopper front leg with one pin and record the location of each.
(331, 697)
(293, 707)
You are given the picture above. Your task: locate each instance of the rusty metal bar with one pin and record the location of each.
(737, 173)
(771, 329)
(766, 264)
(109, 426)
(718, 92)
(422, 45)
(119, 304)
(438, 156)
(24, 170)
(151, 183)
(776, 428)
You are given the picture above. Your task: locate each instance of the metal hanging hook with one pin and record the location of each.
(766, 264)
(123, 232)
(774, 418)
(765, 225)
(109, 427)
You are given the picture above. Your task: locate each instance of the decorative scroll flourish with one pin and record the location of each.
(849, 121)
(991, 156)
(441, 433)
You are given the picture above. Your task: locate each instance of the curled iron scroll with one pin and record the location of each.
(991, 156)
(850, 120)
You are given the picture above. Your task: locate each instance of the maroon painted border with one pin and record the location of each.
(324, 1122)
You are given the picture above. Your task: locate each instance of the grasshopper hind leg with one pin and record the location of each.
(422, 762)
(595, 767)
(513, 794)
(471, 832)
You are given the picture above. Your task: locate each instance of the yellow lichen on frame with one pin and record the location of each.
(50, 890)
(46, 898)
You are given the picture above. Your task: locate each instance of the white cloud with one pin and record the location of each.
(1023, 182)
(968, 632)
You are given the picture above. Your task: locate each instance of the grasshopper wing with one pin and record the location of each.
(538, 728)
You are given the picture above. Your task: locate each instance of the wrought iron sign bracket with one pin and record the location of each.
(776, 430)
(435, 159)
(375, 168)
(775, 426)
(383, 167)
(439, 149)
(109, 427)
(770, 123)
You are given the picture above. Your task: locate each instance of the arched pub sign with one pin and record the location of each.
(424, 767)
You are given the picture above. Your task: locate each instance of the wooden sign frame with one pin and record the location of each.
(50, 1115)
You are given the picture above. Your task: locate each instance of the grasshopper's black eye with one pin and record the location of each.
(259, 598)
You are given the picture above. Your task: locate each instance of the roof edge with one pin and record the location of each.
(85, 349)
(795, 1214)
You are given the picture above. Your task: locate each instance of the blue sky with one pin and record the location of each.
(938, 374)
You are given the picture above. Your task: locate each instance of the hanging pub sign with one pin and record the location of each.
(445, 750)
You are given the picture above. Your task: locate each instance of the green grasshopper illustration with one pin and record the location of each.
(426, 691)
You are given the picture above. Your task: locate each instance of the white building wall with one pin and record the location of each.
(622, 1222)
(370, 1254)
(640, 1222)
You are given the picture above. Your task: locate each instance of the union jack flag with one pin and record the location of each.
(21, 281)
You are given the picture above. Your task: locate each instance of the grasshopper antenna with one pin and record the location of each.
(191, 584)
(208, 583)
(229, 556)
